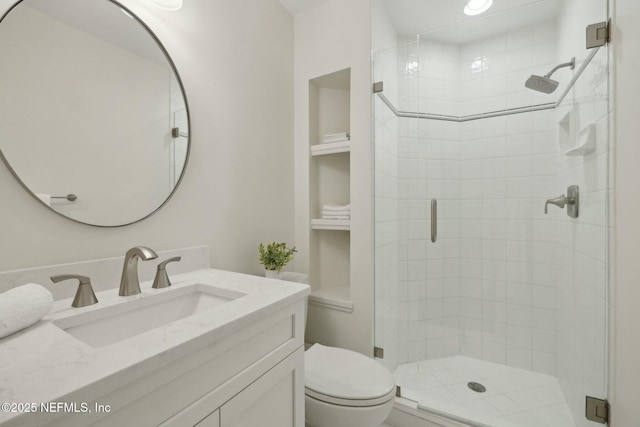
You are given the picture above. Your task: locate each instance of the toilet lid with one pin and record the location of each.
(345, 374)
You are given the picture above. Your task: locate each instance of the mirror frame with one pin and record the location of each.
(155, 38)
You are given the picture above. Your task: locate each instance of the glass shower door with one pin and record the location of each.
(501, 320)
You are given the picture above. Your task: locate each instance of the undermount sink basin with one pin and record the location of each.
(109, 325)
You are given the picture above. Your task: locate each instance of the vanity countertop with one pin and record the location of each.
(45, 364)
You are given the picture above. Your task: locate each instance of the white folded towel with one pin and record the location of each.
(340, 135)
(336, 216)
(23, 306)
(336, 208)
(331, 141)
(336, 137)
(333, 213)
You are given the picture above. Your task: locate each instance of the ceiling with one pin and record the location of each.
(413, 17)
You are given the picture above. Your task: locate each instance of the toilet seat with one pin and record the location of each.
(349, 402)
(346, 378)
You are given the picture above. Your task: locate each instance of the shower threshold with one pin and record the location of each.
(512, 397)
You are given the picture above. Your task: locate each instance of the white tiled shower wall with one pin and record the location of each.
(504, 282)
(428, 152)
(486, 288)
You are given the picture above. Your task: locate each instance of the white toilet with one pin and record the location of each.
(345, 389)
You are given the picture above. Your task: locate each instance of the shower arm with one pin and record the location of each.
(571, 64)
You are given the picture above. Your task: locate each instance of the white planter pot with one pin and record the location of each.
(289, 276)
(272, 274)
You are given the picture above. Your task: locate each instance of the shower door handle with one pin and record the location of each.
(434, 220)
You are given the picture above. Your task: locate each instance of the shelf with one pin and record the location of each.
(335, 298)
(586, 142)
(331, 224)
(331, 148)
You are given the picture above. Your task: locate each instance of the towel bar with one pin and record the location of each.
(69, 197)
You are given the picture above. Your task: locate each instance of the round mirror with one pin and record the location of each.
(93, 117)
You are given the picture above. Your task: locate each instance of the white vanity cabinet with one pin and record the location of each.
(272, 400)
(235, 357)
(253, 376)
(269, 401)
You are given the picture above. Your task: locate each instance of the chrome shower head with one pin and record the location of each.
(541, 84)
(546, 84)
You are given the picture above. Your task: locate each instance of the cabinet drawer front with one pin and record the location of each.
(274, 400)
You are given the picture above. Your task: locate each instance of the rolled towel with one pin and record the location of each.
(336, 208)
(23, 306)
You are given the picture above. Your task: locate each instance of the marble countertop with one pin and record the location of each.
(45, 364)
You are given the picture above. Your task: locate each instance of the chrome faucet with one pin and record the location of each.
(84, 295)
(130, 283)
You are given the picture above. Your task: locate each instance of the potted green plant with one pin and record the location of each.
(274, 256)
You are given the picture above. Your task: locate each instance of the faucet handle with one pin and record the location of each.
(162, 278)
(571, 200)
(84, 295)
(558, 201)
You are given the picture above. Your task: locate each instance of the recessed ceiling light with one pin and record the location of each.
(171, 5)
(476, 7)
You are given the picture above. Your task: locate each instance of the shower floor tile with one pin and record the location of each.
(513, 397)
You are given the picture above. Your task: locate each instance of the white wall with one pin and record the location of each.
(625, 302)
(331, 37)
(236, 62)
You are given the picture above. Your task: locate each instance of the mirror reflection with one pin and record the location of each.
(91, 106)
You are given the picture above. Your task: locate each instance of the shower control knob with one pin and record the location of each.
(559, 201)
(570, 200)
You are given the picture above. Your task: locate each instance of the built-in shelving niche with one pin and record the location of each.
(329, 182)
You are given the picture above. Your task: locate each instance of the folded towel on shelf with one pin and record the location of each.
(336, 208)
(332, 141)
(23, 306)
(336, 216)
(335, 137)
(331, 213)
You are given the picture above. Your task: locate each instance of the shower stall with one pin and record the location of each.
(492, 189)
